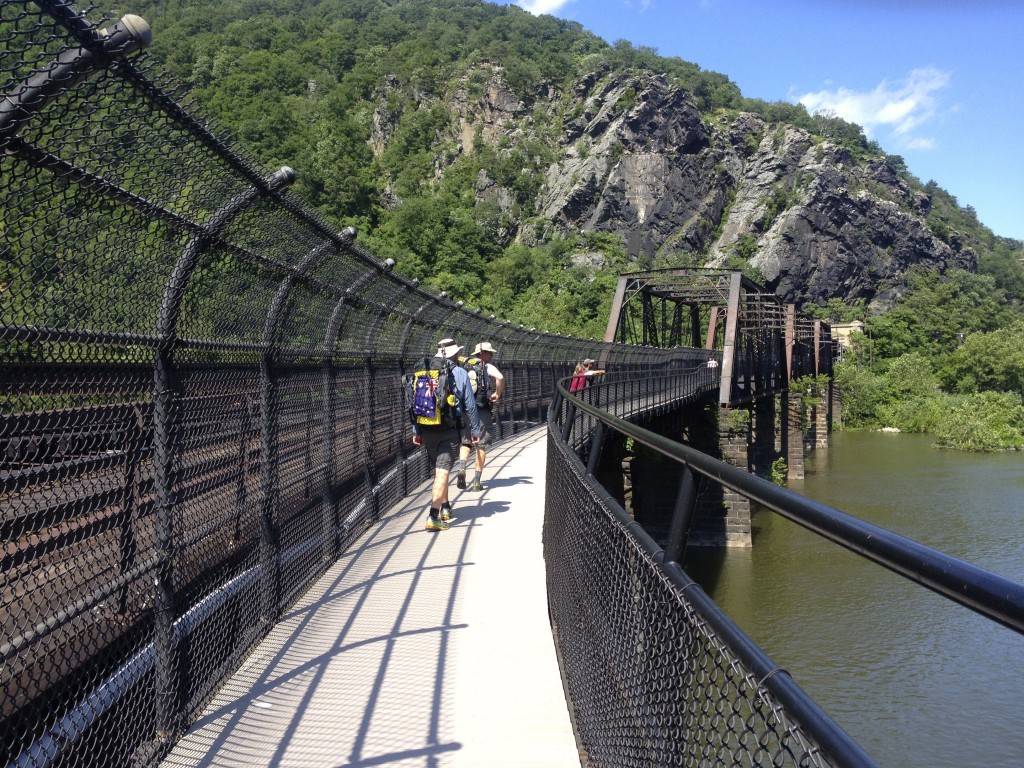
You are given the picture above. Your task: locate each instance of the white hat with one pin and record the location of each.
(449, 350)
(445, 343)
(483, 346)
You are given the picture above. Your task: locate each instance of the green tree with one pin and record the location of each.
(988, 362)
(938, 313)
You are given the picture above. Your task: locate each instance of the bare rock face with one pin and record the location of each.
(638, 164)
(635, 157)
(825, 227)
(486, 108)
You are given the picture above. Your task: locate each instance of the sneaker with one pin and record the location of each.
(437, 524)
(477, 486)
(460, 480)
(446, 515)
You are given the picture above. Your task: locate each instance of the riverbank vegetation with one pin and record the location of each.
(948, 361)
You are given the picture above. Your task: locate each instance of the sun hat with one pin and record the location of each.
(450, 350)
(588, 361)
(483, 346)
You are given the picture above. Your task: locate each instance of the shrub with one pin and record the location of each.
(986, 421)
(779, 471)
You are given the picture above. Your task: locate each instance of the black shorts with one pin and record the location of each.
(442, 446)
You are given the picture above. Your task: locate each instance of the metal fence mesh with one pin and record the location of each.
(199, 395)
(650, 680)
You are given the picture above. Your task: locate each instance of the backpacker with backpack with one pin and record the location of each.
(429, 394)
(479, 380)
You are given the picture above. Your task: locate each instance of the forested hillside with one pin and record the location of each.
(497, 156)
(520, 164)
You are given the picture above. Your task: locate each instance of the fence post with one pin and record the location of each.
(369, 406)
(133, 440)
(73, 65)
(168, 688)
(596, 445)
(682, 516)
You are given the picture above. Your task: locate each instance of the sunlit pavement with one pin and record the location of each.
(415, 649)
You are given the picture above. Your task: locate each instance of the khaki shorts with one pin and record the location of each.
(486, 424)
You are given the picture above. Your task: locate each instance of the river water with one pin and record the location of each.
(918, 681)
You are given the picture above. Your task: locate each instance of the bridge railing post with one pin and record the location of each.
(682, 516)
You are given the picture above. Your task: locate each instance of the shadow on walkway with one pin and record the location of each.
(415, 649)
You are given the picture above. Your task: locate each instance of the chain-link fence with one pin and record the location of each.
(656, 673)
(199, 394)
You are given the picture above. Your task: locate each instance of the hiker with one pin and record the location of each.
(488, 386)
(440, 434)
(580, 374)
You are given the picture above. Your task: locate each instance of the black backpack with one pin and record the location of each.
(479, 380)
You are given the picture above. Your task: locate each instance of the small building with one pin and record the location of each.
(841, 334)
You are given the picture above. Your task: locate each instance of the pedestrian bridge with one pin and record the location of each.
(414, 648)
(210, 506)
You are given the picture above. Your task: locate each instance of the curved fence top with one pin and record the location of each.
(127, 225)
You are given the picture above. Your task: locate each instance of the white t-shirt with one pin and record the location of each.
(493, 373)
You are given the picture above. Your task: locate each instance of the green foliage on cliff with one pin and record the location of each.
(356, 95)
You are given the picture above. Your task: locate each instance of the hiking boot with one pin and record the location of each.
(477, 486)
(460, 479)
(446, 514)
(437, 524)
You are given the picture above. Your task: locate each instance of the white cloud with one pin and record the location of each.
(537, 7)
(900, 107)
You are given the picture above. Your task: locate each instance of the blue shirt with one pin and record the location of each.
(464, 392)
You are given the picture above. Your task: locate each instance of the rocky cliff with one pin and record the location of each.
(635, 157)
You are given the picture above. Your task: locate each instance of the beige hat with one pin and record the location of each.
(449, 350)
(483, 346)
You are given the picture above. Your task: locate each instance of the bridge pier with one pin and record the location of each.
(823, 418)
(792, 434)
(721, 517)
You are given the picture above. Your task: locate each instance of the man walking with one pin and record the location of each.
(441, 440)
(489, 387)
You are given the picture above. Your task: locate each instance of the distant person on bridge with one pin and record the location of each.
(441, 439)
(488, 385)
(581, 373)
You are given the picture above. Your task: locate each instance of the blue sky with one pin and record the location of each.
(939, 82)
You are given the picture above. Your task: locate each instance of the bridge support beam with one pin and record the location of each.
(763, 449)
(822, 418)
(793, 435)
(722, 517)
(734, 439)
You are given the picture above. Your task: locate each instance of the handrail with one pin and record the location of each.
(578, 534)
(996, 597)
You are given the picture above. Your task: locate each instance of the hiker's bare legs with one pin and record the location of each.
(439, 490)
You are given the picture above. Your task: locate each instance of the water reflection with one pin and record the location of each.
(916, 680)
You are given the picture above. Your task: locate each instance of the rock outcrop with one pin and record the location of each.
(635, 157)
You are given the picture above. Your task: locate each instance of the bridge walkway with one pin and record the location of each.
(415, 649)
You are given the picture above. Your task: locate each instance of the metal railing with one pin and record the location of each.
(656, 673)
(200, 398)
